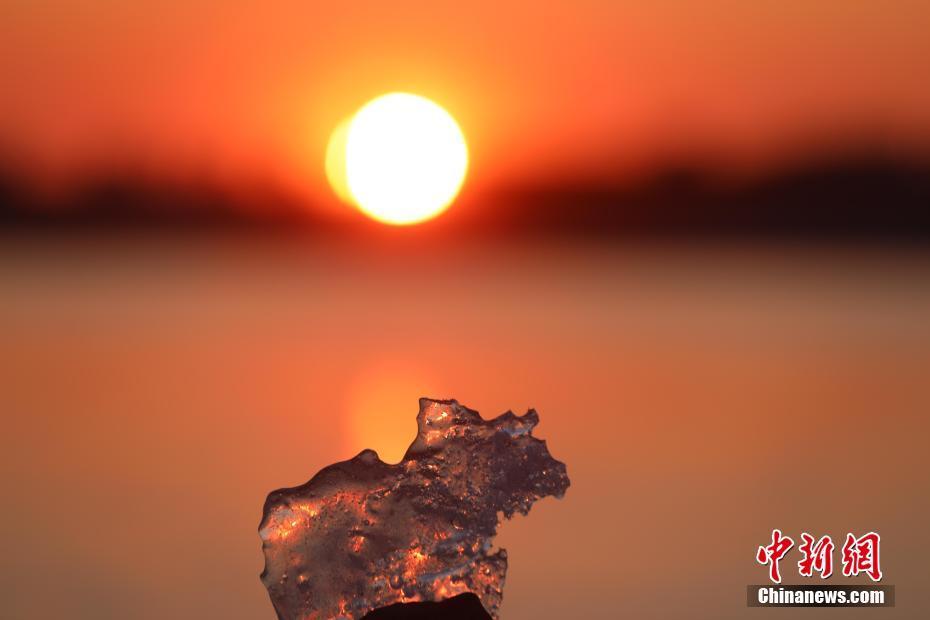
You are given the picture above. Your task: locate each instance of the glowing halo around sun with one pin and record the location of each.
(401, 159)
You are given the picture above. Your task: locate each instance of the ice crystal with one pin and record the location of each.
(363, 534)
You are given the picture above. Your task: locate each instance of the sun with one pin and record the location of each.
(401, 159)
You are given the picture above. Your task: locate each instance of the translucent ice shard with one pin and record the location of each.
(362, 534)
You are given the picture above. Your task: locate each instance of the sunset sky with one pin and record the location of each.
(576, 89)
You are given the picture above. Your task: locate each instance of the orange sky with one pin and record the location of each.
(578, 87)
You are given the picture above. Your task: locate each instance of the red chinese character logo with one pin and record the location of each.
(861, 555)
(817, 556)
(773, 553)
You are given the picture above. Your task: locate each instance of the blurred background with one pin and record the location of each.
(694, 236)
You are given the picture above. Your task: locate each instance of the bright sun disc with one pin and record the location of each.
(404, 159)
